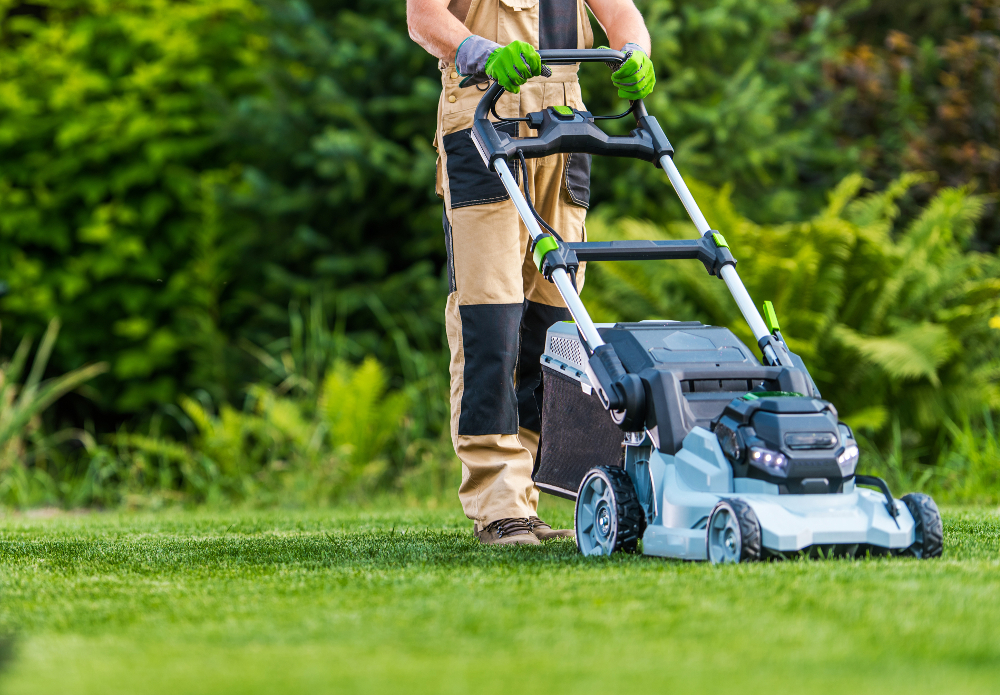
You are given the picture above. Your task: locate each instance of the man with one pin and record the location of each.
(499, 307)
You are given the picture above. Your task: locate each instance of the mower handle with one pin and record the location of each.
(567, 134)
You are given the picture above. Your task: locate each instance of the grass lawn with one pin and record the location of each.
(405, 601)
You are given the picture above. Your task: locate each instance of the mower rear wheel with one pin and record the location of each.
(733, 533)
(929, 535)
(609, 517)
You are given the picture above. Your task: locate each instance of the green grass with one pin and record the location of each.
(405, 601)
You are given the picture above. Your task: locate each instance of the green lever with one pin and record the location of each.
(770, 317)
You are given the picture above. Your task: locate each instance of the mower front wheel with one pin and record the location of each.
(928, 539)
(733, 533)
(609, 517)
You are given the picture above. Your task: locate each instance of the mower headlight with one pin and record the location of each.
(848, 458)
(768, 460)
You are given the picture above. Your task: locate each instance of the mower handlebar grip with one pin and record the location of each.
(580, 55)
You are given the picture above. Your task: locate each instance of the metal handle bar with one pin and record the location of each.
(580, 55)
(552, 55)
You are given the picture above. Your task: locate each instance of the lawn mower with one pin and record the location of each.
(673, 433)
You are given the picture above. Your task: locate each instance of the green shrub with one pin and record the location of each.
(173, 174)
(924, 95)
(109, 156)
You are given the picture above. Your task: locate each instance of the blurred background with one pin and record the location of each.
(222, 260)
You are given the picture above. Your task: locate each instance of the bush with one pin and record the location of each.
(928, 100)
(172, 175)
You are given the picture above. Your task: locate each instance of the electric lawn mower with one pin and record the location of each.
(674, 433)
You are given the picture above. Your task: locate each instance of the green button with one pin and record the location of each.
(755, 395)
(720, 240)
(543, 246)
(563, 110)
(770, 317)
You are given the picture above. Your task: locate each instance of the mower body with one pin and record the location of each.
(718, 425)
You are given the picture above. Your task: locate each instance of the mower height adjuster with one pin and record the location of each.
(550, 254)
(715, 253)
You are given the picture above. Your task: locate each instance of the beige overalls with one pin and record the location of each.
(499, 306)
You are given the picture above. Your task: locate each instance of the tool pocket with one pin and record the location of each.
(576, 178)
(469, 181)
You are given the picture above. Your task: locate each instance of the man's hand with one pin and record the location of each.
(513, 64)
(635, 79)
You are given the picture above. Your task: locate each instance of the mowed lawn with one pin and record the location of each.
(405, 601)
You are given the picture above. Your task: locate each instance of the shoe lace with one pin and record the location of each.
(534, 522)
(506, 527)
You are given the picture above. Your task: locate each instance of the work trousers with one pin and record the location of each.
(499, 306)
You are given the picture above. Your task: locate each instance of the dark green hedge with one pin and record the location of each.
(173, 174)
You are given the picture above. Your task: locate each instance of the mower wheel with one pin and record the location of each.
(609, 517)
(733, 533)
(929, 536)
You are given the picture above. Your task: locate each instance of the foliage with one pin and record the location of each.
(278, 449)
(23, 446)
(928, 101)
(173, 174)
(896, 322)
(104, 187)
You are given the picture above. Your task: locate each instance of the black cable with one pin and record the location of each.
(501, 119)
(623, 114)
(527, 198)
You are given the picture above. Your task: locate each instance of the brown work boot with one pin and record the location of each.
(506, 532)
(544, 532)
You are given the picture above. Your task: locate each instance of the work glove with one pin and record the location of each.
(511, 66)
(635, 78)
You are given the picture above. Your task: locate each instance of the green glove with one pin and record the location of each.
(513, 64)
(635, 78)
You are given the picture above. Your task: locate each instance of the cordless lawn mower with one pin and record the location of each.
(674, 433)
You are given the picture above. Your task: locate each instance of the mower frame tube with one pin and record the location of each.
(745, 303)
(687, 200)
(560, 277)
(727, 272)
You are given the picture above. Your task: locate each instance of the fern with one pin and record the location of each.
(360, 416)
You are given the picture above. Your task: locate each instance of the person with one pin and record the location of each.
(499, 307)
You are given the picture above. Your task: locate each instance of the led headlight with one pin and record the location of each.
(767, 460)
(848, 458)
